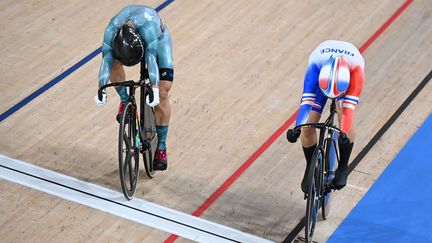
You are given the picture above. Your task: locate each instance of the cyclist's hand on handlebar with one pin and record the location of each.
(293, 135)
(103, 100)
(155, 100)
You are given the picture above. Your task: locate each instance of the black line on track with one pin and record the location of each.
(118, 203)
(293, 234)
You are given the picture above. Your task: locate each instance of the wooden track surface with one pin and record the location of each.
(239, 67)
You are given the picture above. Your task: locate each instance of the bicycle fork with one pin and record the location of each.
(137, 137)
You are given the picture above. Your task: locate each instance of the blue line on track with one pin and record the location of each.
(60, 77)
(163, 5)
(48, 85)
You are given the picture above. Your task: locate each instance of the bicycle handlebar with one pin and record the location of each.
(128, 83)
(319, 126)
(125, 83)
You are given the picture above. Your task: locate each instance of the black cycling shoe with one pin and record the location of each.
(308, 152)
(340, 179)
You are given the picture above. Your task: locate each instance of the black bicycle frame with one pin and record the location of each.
(143, 76)
(328, 123)
(145, 88)
(328, 141)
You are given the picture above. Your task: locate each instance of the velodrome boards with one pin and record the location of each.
(239, 67)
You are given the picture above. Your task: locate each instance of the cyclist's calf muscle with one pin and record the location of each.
(163, 110)
(117, 72)
(308, 136)
(351, 134)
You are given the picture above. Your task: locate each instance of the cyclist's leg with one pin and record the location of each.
(345, 149)
(346, 115)
(162, 117)
(309, 143)
(117, 76)
(308, 136)
(352, 132)
(163, 110)
(163, 113)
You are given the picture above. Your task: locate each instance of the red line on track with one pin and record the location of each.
(244, 167)
(210, 200)
(385, 26)
(239, 171)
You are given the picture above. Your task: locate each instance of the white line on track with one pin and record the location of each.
(113, 202)
(360, 188)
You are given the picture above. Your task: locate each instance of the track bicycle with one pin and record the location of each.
(321, 171)
(137, 134)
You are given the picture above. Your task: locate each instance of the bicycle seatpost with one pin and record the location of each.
(333, 106)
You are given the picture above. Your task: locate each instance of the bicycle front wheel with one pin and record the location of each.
(128, 151)
(313, 193)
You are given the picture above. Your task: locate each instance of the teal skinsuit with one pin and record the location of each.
(157, 42)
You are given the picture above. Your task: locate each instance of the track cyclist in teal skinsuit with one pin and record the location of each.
(137, 34)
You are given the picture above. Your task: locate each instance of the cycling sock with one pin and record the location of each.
(308, 152)
(345, 152)
(162, 132)
(123, 93)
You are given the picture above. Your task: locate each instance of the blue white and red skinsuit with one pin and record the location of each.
(313, 98)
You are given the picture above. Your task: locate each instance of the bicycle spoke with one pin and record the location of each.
(126, 140)
(127, 161)
(127, 136)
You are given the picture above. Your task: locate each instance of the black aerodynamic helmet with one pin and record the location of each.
(128, 46)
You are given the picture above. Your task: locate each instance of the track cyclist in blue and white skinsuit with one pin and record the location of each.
(137, 34)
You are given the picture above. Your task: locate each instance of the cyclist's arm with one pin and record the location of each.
(309, 93)
(351, 98)
(107, 56)
(149, 32)
(107, 53)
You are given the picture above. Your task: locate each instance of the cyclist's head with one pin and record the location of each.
(334, 77)
(128, 46)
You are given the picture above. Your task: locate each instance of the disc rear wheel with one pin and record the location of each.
(150, 136)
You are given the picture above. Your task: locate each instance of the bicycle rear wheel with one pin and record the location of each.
(313, 194)
(128, 151)
(150, 136)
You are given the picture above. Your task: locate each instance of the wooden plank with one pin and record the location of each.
(239, 67)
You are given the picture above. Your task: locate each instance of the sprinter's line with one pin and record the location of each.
(113, 202)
